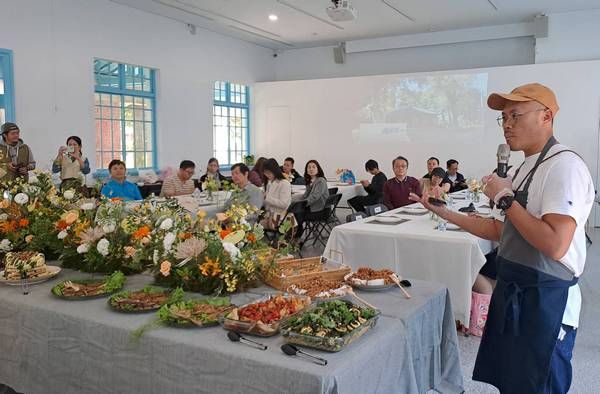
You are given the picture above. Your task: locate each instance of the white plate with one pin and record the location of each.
(387, 219)
(52, 272)
(413, 209)
(343, 184)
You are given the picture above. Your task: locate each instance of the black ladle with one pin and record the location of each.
(235, 337)
(292, 350)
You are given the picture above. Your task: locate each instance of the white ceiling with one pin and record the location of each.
(304, 23)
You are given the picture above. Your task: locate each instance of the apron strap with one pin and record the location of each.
(513, 294)
(529, 177)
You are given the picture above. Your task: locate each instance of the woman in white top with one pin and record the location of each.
(278, 195)
(71, 164)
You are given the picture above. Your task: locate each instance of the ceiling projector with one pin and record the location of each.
(341, 11)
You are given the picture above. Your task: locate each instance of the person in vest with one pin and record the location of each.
(16, 158)
(71, 164)
(539, 220)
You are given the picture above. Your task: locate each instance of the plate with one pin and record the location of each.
(57, 289)
(388, 219)
(52, 272)
(414, 210)
(124, 294)
(343, 184)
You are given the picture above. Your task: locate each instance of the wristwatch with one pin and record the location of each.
(505, 202)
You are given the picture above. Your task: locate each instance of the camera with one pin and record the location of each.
(70, 149)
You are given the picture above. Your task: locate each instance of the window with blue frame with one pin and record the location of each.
(231, 131)
(125, 114)
(7, 102)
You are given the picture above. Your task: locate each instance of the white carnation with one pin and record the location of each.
(168, 241)
(3, 216)
(167, 224)
(109, 228)
(88, 206)
(5, 245)
(62, 235)
(83, 248)
(230, 248)
(102, 247)
(69, 194)
(21, 198)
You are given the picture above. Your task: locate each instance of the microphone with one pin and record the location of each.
(503, 155)
(292, 350)
(235, 337)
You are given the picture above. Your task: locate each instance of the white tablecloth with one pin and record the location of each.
(415, 249)
(211, 208)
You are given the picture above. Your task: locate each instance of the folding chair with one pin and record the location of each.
(318, 222)
(353, 217)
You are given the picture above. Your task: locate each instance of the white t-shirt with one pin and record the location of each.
(561, 185)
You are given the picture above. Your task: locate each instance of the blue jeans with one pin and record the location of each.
(561, 371)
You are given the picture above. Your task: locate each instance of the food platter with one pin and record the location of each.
(51, 272)
(196, 312)
(85, 289)
(139, 301)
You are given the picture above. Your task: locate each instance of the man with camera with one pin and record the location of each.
(16, 158)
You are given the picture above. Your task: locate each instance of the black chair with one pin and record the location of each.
(319, 224)
(296, 208)
(353, 217)
(375, 209)
(333, 190)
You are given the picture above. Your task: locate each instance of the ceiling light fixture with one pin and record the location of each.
(273, 17)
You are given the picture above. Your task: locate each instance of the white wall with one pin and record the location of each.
(54, 43)
(571, 36)
(315, 118)
(318, 62)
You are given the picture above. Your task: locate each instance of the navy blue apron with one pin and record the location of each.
(526, 310)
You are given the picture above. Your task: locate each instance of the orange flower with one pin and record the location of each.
(116, 200)
(141, 232)
(165, 268)
(210, 267)
(62, 225)
(23, 223)
(9, 226)
(225, 233)
(184, 236)
(251, 237)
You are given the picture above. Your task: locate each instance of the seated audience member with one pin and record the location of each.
(16, 157)
(118, 186)
(317, 189)
(373, 188)
(432, 163)
(278, 195)
(256, 176)
(396, 190)
(247, 193)
(290, 173)
(438, 179)
(212, 172)
(180, 183)
(457, 179)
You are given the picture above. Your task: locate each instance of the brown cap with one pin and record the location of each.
(530, 92)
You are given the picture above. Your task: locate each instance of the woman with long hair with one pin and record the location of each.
(212, 172)
(317, 190)
(278, 194)
(256, 176)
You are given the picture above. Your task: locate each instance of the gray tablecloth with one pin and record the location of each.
(48, 345)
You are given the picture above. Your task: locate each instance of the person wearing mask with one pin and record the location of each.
(374, 188)
(432, 163)
(71, 164)
(212, 172)
(248, 192)
(437, 179)
(180, 183)
(16, 158)
(256, 176)
(278, 195)
(457, 179)
(540, 214)
(290, 173)
(396, 191)
(118, 186)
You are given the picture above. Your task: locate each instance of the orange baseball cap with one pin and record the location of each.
(530, 92)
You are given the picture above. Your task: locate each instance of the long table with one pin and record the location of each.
(48, 345)
(415, 249)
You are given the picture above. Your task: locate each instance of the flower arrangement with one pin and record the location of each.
(475, 188)
(217, 256)
(345, 176)
(28, 211)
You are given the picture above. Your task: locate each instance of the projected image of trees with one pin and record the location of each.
(430, 103)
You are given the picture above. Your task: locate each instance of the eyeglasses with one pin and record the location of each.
(502, 120)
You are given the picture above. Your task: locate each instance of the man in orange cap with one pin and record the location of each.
(539, 220)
